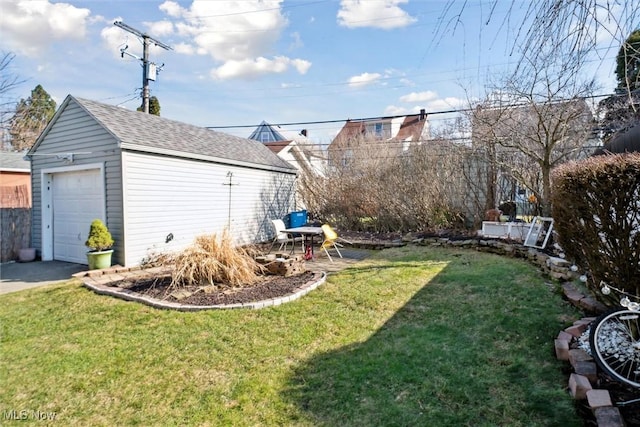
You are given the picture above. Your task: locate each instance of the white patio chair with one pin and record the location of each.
(283, 237)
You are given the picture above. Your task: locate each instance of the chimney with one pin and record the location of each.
(303, 132)
(423, 114)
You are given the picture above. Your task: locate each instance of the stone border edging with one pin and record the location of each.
(101, 287)
(554, 267)
(584, 375)
(98, 280)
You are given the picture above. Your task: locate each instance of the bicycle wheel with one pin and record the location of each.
(615, 345)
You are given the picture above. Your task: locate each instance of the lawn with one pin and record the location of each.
(412, 336)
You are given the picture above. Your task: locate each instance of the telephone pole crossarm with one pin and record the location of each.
(140, 34)
(146, 40)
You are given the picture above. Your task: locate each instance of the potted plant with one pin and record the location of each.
(27, 254)
(99, 243)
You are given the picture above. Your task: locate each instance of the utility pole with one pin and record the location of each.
(149, 69)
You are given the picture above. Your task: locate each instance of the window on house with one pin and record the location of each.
(379, 130)
(347, 158)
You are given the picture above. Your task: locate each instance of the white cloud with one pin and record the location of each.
(237, 35)
(29, 27)
(419, 96)
(384, 14)
(407, 82)
(431, 103)
(253, 68)
(393, 110)
(184, 48)
(364, 79)
(172, 9)
(444, 104)
(160, 28)
(296, 41)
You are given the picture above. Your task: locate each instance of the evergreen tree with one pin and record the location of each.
(622, 110)
(31, 117)
(154, 106)
(628, 63)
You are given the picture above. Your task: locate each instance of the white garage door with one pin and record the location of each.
(77, 200)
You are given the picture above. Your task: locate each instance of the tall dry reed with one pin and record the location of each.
(215, 261)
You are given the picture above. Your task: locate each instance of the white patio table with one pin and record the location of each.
(309, 233)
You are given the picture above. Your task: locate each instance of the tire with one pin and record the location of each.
(615, 345)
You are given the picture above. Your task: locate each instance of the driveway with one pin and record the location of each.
(16, 276)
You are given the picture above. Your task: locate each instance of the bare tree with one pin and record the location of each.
(8, 82)
(530, 124)
(386, 186)
(574, 27)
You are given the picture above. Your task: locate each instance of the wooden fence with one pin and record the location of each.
(16, 232)
(15, 196)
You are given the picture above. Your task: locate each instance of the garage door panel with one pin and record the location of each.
(77, 200)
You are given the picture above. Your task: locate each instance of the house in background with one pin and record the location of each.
(396, 134)
(296, 148)
(566, 126)
(15, 180)
(157, 183)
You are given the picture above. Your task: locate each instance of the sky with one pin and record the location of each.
(298, 62)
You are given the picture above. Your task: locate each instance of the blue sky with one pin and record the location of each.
(242, 62)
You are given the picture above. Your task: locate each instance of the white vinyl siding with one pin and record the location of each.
(169, 201)
(151, 187)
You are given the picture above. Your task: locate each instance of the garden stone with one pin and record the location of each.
(579, 386)
(598, 398)
(609, 416)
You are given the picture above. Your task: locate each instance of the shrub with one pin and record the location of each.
(99, 237)
(213, 260)
(596, 208)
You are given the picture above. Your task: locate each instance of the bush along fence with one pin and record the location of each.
(597, 217)
(16, 232)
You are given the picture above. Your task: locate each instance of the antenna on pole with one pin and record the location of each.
(230, 184)
(149, 69)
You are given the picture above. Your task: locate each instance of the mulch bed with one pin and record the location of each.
(268, 287)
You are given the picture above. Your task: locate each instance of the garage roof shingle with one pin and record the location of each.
(148, 132)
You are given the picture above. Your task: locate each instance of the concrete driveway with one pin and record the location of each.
(16, 276)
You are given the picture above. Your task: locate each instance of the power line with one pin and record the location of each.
(368, 119)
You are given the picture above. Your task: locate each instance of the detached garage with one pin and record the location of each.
(156, 183)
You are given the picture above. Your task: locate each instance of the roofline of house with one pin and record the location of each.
(23, 170)
(46, 130)
(187, 155)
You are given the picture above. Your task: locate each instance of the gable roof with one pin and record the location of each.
(139, 131)
(410, 129)
(350, 130)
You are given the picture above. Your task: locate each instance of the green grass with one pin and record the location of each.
(413, 336)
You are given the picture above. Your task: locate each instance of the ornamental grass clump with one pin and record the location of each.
(215, 261)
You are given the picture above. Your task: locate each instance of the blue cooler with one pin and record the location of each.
(297, 219)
